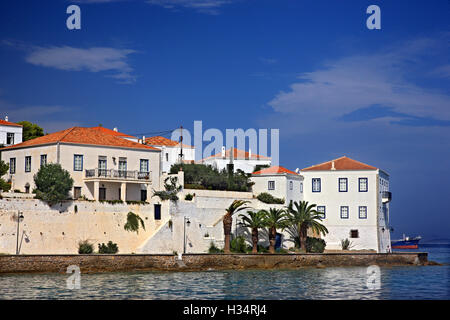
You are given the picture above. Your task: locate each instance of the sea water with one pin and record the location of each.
(400, 282)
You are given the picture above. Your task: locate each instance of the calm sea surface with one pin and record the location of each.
(412, 282)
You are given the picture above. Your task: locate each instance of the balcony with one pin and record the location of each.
(111, 174)
(386, 196)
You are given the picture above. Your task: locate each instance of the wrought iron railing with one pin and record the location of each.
(117, 174)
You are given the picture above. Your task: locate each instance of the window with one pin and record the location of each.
(316, 187)
(271, 185)
(102, 166)
(363, 185)
(9, 138)
(43, 159)
(157, 212)
(144, 165)
(301, 187)
(354, 234)
(291, 185)
(77, 162)
(363, 212)
(344, 212)
(167, 156)
(76, 192)
(28, 164)
(122, 167)
(12, 165)
(321, 209)
(343, 184)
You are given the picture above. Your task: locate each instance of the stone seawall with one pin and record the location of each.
(198, 262)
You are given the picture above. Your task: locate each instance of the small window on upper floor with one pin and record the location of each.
(271, 185)
(167, 156)
(9, 138)
(344, 212)
(343, 184)
(316, 185)
(43, 159)
(363, 185)
(321, 210)
(301, 187)
(77, 162)
(28, 164)
(291, 185)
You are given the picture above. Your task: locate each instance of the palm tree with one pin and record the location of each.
(304, 216)
(253, 220)
(235, 207)
(274, 219)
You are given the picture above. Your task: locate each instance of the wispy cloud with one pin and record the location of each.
(355, 82)
(268, 60)
(96, 59)
(204, 6)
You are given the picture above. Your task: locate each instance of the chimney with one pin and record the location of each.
(115, 129)
(6, 118)
(223, 152)
(249, 153)
(143, 139)
(332, 165)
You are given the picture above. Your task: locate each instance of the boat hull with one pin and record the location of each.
(405, 244)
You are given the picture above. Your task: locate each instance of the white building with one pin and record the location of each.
(354, 198)
(171, 151)
(279, 182)
(10, 133)
(243, 160)
(103, 166)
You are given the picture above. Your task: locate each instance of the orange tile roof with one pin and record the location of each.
(275, 170)
(162, 141)
(7, 123)
(343, 163)
(238, 155)
(112, 132)
(81, 135)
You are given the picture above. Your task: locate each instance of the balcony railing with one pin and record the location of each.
(112, 174)
(386, 196)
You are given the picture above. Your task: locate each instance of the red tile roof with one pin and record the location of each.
(112, 132)
(7, 123)
(80, 135)
(343, 163)
(275, 170)
(162, 141)
(238, 155)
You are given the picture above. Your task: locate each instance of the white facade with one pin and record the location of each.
(171, 155)
(353, 214)
(280, 185)
(241, 160)
(10, 133)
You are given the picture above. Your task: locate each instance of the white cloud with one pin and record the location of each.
(203, 6)
(359, 81)
(96, 59)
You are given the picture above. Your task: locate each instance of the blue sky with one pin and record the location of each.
(310, 68)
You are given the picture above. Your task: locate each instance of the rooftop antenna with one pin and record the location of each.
(181, 143)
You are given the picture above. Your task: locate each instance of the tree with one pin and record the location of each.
(53, 183)
(235, 207)
(171, 190)
(254, 220)
(274, 219)
(30, 130)
(4, 186)
(303, 216)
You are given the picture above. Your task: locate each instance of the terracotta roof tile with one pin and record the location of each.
(343, 163)
(162, 141)
(80, 135)
(7, 123)
(238, 155)
(275, 170)
(112, 132)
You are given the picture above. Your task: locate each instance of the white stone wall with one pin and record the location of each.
(245, 165)
(10, 129)
(58, 229)
(282, 186)
(169, 156)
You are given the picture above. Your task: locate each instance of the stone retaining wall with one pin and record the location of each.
(197, 262)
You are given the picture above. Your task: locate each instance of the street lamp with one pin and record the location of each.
(188, 222)
(19, 216)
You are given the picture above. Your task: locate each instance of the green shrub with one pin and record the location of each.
(85, 247)
(214, 249)
(138, 202)
(238, 245)
(315, 245)
(262, 249)
(110, 248)
(133, 221)
(53, 183)
(4, 185)
(111, 201)
(188, 197)
(346, 244)
(268, 198)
